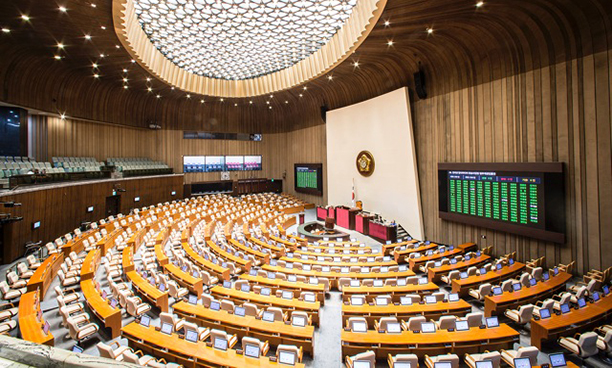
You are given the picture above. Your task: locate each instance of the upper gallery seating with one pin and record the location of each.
(77, 164)
(139, 166)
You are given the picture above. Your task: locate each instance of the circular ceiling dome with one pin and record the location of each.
(242, 48)
(240, 39)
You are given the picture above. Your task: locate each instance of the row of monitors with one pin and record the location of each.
(557, 360)
(194, 164)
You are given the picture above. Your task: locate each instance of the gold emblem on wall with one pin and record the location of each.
(365, 163)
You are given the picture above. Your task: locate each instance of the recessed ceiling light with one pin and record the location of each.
(150, 89)
(286, 102)
(94, 65)
(271, 96)
(201, 101)
(430, 30)
(387, 23)
(125, 70)
(117, 46)
(87, 37)
(172, 88)
(479, 4)
(57, 57)
(102, 55)
(305, 88)
(93, 5)
(270, 107)
(103, 27)
(125, 87)
(158, 96)
(6, 30)
(356, 64)
(250, 102)
(133, 61)
(188, 96)
(301, 95)
(125, 79)
(96, 75)
(235, 104)
(148, 79)
(60, 45)
(390, 43)
(330, 77)
(62, 116)
(63, 9)
(25, 17)
(267, 102)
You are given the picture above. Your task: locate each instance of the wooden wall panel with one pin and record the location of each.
(63, 208)
(555, 113)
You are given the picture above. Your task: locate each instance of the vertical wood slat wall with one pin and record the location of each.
(556, 113)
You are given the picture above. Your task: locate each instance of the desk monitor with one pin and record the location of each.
(454, 297)
(511, 261)
(77, 349)
(606, 290)
(381, 301)
(478, 253)
(522, 363)
(545, 276)
(492, 322)
(467, 258)
(430, 299)
(394, 327)
(307, 267)
(429, 252)
(252, 350)
(360, 326)
(437, 264)
(401, 282)
(362, 364)
(365, 269)
(497, 290)
(423, 281)
(532, 282)
(39, 315)
(453, 261)
(428, 327)
(104, 294)
(483, 271)
(356, 300)
(384, 269)
(287, 295)
(310, 298)
(162, 287)
(268, 316)
(354, 283)
(191, 336)
(227, 284)
(252, 272)
(378, 283)
(443, 365)
(292, 278)
(544, 313)
(386, 258)
(289, 266)
(484, 364)
(595, 296)
(462, 325)
(404, 300)
(239, 311)
(557, 360)
(184, 268)
(286, 357)
(298, 321)
(193, 299)
(166, 328)
(313, 281)
(46, 327)
(402, 365)
(581, 303)
(265, 291)
(113, 303)
(516, 287)
(220, 343)
(344, 270)
(215, 305)
(565, 308)
(556, 271)
(145, 320)
(403, 268)
(245, 288)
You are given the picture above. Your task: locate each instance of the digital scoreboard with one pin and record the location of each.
(526, 199)
(309, 178)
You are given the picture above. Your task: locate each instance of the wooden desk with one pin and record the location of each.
(111, 318)
(277, 251)
(435, 273)
(345, 217)
(195, 285)
(362, 223)
(334, 276)
(174, 349)
(275, 333)
(30, 327)
(338, 264)
(400, 254)
(387, 249)
(383, 232)
(127, 260)
(463, 286)
(270, 301)
(45, 273)
(286, 243)
(416, 262)
(244, 264)
(221, 273)
(441, 342)
(263, 257)
(371, 292)
(90, 264)
(404, 312)
(567, 324)
(276, 284)
(162, 258)
(148, 291)
(513, 299)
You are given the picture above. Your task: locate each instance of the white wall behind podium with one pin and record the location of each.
(383, 126)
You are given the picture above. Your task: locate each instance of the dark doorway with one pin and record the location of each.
(113, 204)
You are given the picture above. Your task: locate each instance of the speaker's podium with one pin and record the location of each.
(383, 231)
(345, 217)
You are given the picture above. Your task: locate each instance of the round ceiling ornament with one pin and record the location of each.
(365, 163)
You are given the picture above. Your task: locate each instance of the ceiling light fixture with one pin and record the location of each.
(103, 28)
(429, 30)
(60, 45)
(479, 4)
(58, 57)
(94, 65)
(387, 23)
(390, 43)
(87, 37)
(63, 9)
(6, 30)
(25, 17)
(158, 96)
(96, 75)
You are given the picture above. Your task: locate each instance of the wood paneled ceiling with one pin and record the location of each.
(468, 45)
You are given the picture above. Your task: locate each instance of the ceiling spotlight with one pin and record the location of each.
(330, 77)
(235, 104)
(133, 61)
(60, 45)
(125, 70)
(479, 4)
(62, 116)
(387, 23)
(271, 96)
(158, 96)
(429, 30)
(125, 87)
(93, 5)
(150, 89)
(356, 64)
(286, 102)
(96, 75)
(250, 102)
(201, 101)
(102, 55)
(94, 65)
(117, 46)
(305, 88)
(63, 9)
(221, 100)
(172, 88)
(125, 80)
(390, 43)
(103, 28)
(267, 102)
(148, 79)
(57, 57)
(188, 96)
(87, 37)
(6, 30)
(301, 95)
(25, 17)
(270, 107)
